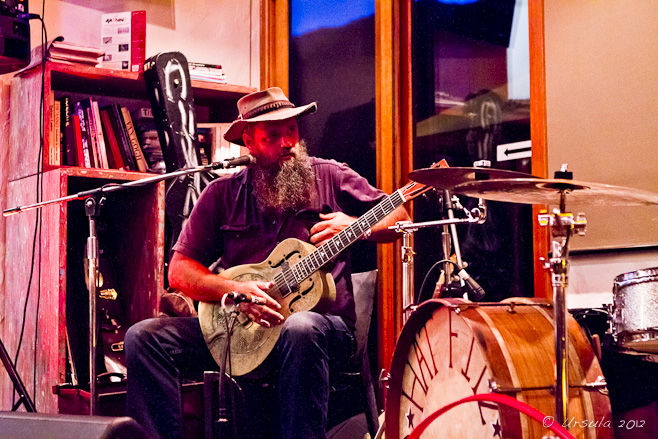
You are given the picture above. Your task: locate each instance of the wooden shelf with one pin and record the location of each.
(131, 225)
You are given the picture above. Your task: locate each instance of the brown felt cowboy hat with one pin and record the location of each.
(268, 104)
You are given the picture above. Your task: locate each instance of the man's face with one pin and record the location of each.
(272, 142)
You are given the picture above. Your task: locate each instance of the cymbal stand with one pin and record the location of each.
(450, 231)
(407, 271)
(562, 226)
(476, 215)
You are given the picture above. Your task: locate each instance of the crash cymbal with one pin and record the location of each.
(448, 178)
(546, 191)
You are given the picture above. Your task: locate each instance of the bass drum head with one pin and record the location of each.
(450, 349)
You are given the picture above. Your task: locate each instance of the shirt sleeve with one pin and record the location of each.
(200, 238)
(355, 194)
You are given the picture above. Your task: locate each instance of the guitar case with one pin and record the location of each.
(169, 89)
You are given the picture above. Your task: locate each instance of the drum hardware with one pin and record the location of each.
(384, 377)
(562, 225)
(644, 356)
(600, 384)
(511, 305)
(476, 215)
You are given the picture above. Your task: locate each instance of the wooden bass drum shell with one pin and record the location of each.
(516, 345)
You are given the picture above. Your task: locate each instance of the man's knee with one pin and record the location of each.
(301, 327)
(139, 334)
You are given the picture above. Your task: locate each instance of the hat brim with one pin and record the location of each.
(234, 132)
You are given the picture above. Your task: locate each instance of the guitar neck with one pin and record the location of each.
(323, 254)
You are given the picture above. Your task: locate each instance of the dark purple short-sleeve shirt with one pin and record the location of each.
(225, 223)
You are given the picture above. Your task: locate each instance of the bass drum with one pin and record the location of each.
(450, 349)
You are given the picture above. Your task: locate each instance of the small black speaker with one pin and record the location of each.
(14, 43)
(22, 425)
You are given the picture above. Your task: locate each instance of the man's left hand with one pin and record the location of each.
(331, 224)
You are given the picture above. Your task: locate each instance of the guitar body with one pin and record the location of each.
(252, 343)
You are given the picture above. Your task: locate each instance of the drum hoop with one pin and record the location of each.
(639, 276)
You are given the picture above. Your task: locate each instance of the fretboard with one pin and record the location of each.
(288, 279)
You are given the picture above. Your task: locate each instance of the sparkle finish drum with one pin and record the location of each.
(635, 310)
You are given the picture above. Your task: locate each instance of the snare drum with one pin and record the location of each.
(450, 349)
(635, 310)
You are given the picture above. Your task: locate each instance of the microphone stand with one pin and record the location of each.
(94, 200)
(477, 215)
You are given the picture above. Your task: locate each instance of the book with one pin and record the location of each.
(62, 48)
(67, 135)
(87, 156)
(55, 144)
(149, 140)
(92, 139)
(61, 51)
(100, 138)
(114, 157)
(123, 40)
(125, 148)
(134, 142)
(81, 159)
(192, 65)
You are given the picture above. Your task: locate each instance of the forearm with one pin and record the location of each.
(380, 231)
(196, 280)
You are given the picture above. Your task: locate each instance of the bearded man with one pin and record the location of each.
(239, 220)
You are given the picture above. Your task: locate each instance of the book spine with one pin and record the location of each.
(100, 139)
(91, 135)
(114, 149)
(86, 153)
(77, 139)
(57, 134)
(122, 137)
(137, 150)
(66, 127)
(137, 40)
(193, 65)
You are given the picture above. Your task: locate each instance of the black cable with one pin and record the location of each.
(38, 218)
(436, 264)
(44, 53)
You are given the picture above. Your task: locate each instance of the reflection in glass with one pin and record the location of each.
(332, 61)
(471, 103)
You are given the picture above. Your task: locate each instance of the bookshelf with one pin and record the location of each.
(131, 224)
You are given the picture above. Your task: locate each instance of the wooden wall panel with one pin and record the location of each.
(538, 135)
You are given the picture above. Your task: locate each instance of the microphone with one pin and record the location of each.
(244, 160)
(245, 298)
(475, 291)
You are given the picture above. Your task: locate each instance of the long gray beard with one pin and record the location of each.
(288, 187)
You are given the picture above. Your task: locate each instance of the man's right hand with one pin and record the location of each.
(265, 315)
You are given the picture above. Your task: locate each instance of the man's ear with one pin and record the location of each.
(246, 139)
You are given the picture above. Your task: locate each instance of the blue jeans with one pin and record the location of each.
(161, 352)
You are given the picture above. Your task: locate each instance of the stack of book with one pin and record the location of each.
(207, 72)
(73, 53)
(96, 137)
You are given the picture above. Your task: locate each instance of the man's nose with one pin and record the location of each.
(287, 143)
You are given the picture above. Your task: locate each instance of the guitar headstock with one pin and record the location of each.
(414, 189)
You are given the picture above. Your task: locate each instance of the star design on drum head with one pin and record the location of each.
(496, 428)
(410, 418)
